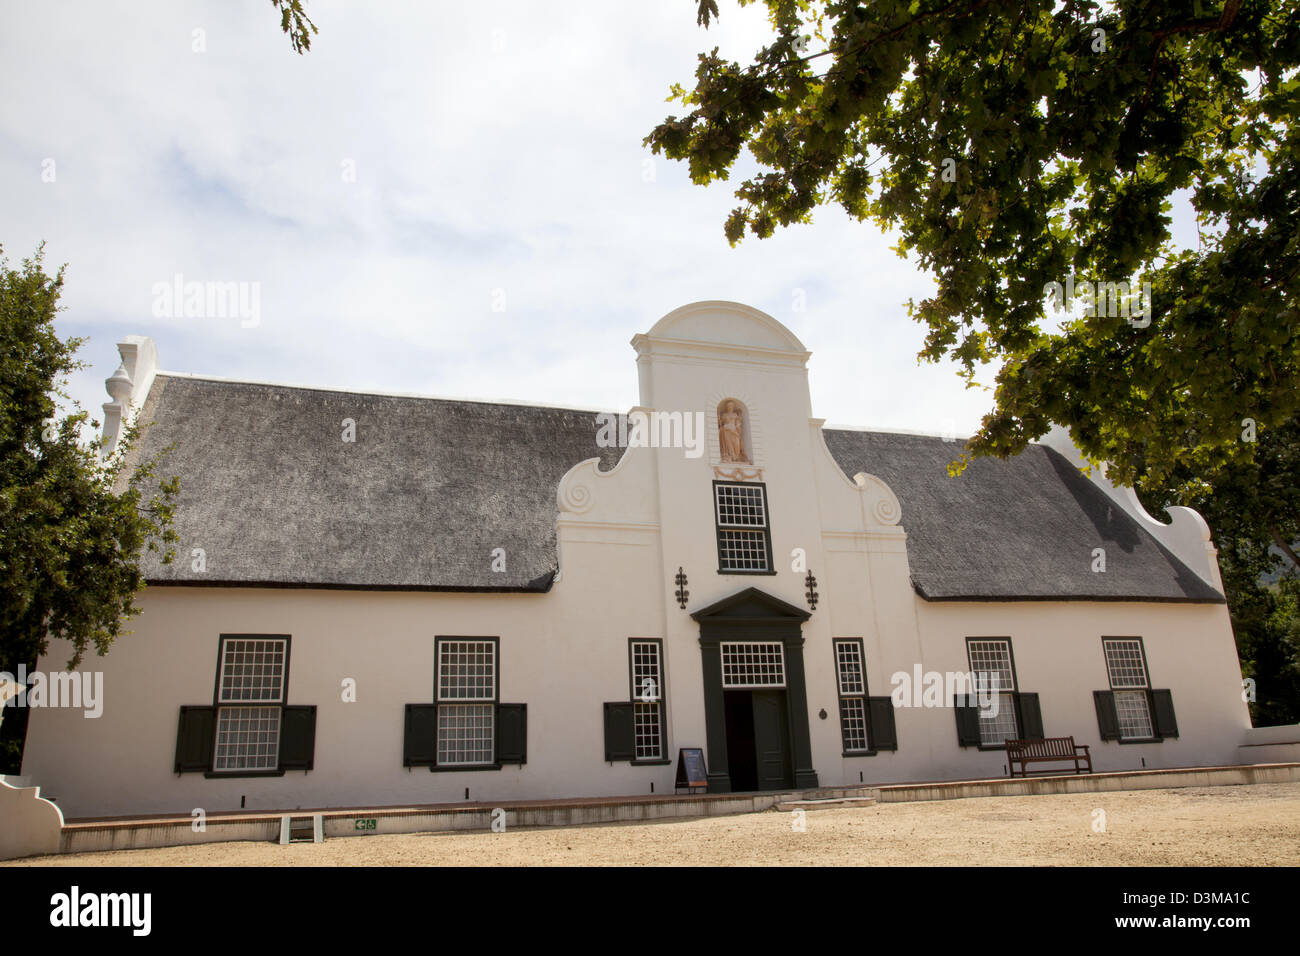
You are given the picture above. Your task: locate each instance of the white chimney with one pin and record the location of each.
(127, 387)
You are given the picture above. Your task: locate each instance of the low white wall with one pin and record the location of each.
(29, 825)
(1271, 744)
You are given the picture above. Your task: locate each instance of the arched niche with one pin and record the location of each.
(735, 433)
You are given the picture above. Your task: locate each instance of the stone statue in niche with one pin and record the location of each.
(731, 432)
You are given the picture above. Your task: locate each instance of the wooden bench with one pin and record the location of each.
(1047, 748)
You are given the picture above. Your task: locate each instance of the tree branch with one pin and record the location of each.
(1284, 547)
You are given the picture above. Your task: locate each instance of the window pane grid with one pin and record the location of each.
(741, 511)
(647, 696)
(995, 730)
(252, 671)
(466, 670)
(647, 683)
(1124, 664)
(991, 661)
(1131, 706)
(248, 738)
(465, 734)
(742, 550)
(740, 506)
(647, 731)
(848, 658)
(853, 721)
(753, 665)
(466, 731)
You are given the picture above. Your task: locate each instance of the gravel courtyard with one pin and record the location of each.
(1256, 825)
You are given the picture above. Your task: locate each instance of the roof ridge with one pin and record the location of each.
(337, 389)
(884, 430)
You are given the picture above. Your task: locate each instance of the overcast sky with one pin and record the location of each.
(497, 156)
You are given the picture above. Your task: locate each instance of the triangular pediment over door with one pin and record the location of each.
(751, 604)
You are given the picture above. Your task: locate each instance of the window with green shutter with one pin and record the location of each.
(1132, 711)
(466, 693)
(466, 727)
(866, 723)
(250, 729)
(252, 684)
(993, 674)
(635, 730)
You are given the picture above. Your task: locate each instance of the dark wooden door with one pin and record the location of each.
(772, 740)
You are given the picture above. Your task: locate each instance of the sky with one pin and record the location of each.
(441, 199)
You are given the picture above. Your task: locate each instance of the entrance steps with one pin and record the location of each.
(829, 798)
(827, 803)
(302, 829)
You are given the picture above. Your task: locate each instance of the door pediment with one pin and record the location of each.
(750, 605)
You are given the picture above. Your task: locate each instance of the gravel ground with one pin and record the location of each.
(1256, 825)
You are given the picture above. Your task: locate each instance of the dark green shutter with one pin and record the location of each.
(420, 741)
(881, 732)
(1029, 718)
(512, 733)
(1162, 711)
(1107, 718)
(968, 721)
(195, 735)
(298, 738)
(620, 731)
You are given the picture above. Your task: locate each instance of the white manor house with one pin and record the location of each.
(392, 600)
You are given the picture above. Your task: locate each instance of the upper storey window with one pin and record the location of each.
(744, 537)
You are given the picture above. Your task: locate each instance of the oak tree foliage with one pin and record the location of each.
(1066, 129)
(1020, 147)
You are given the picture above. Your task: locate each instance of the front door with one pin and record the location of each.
(755, 697)
(772, 740)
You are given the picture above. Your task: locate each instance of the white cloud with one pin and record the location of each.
(495, 148)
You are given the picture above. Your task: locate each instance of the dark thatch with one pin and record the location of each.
(420, 500)
(1023, 528)
(430, 487)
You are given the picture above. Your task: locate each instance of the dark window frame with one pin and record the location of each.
(1015, 680)
(718, 527)
(495, 763)
(634, 699)
(1155, 738)
(840, 697)
(218, 705)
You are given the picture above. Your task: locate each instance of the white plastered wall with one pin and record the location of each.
(622, 535)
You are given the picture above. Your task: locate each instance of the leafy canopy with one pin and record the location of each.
(72, 528)
(1015, 145)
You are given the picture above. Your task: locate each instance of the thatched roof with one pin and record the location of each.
(1023, 528)
(420, 500)
(431, 487)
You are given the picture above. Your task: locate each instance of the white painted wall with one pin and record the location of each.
(622, 535)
